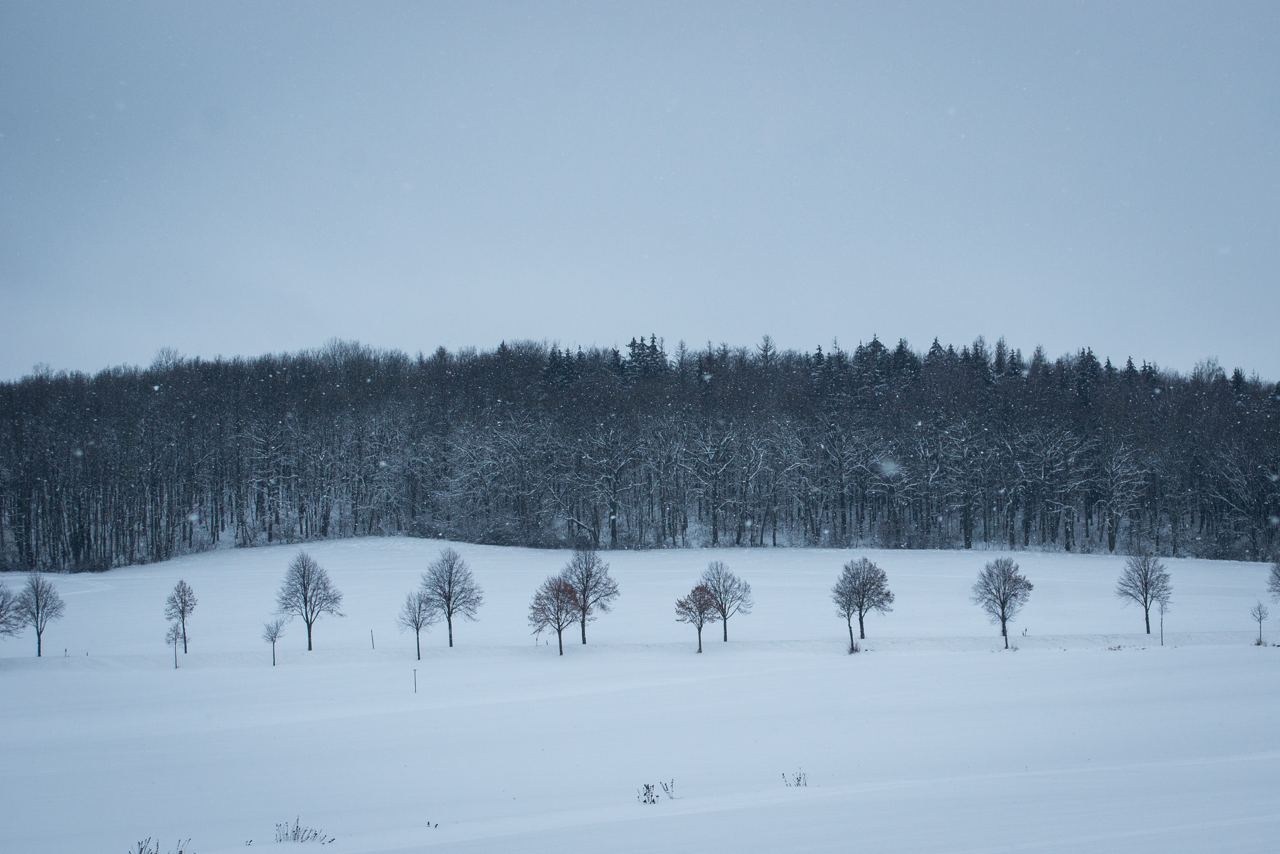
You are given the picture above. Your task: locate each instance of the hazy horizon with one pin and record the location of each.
(165, 353)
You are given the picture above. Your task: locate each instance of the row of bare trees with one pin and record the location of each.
(644, 448)
(584, 589)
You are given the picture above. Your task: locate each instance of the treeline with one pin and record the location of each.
(643, 448)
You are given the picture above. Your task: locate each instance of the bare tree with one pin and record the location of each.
(38, 605)
(271, 633)
(1001, 590)
(417, 614)
(171, 638)
(1260, 613)
(451, 589)
(1145, 582)
(698, 609)
(10, 617)
(862, 588)
(588, 575)
(307, 592)
(179, 605)
(556, 605)
(731, 594)
(1273, 581)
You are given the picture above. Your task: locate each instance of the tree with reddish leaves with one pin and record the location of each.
(698, 609)
(554, 607)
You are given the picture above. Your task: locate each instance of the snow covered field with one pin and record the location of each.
(934, 739)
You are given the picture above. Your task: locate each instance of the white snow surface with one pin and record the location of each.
(933, 739)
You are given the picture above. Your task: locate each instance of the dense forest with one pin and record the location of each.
(643, 448)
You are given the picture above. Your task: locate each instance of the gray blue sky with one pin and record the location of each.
(238, 178)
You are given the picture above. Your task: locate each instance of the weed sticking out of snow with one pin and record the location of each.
(796, 780)
(152, 846)
(298, 832)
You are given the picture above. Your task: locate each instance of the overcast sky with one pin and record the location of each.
(227, 178)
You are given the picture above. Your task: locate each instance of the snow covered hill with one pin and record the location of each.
(1089, 737)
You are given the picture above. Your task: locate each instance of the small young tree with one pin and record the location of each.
(38, 605)
(1146, 582)
(451, 589)
(1260, 613)
(307, 592)
(179, 605)
(416, 614)
(10, 617)
(588, 575)
(862, 588)
(698, 609)
(171, 638)
(556, 605)
(271, 633)
(1001, 590)
(732, 595)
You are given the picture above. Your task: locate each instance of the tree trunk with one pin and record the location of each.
(39, 645)
(308, 637)
(184, 635)
(849, 622)
(560, 639)
(1004, 632)
(699, 638)
(1147, 613)
(417, 640)
(273, 653)
(584, 630)
(726, 629)
(862, 632)
(448, 618)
